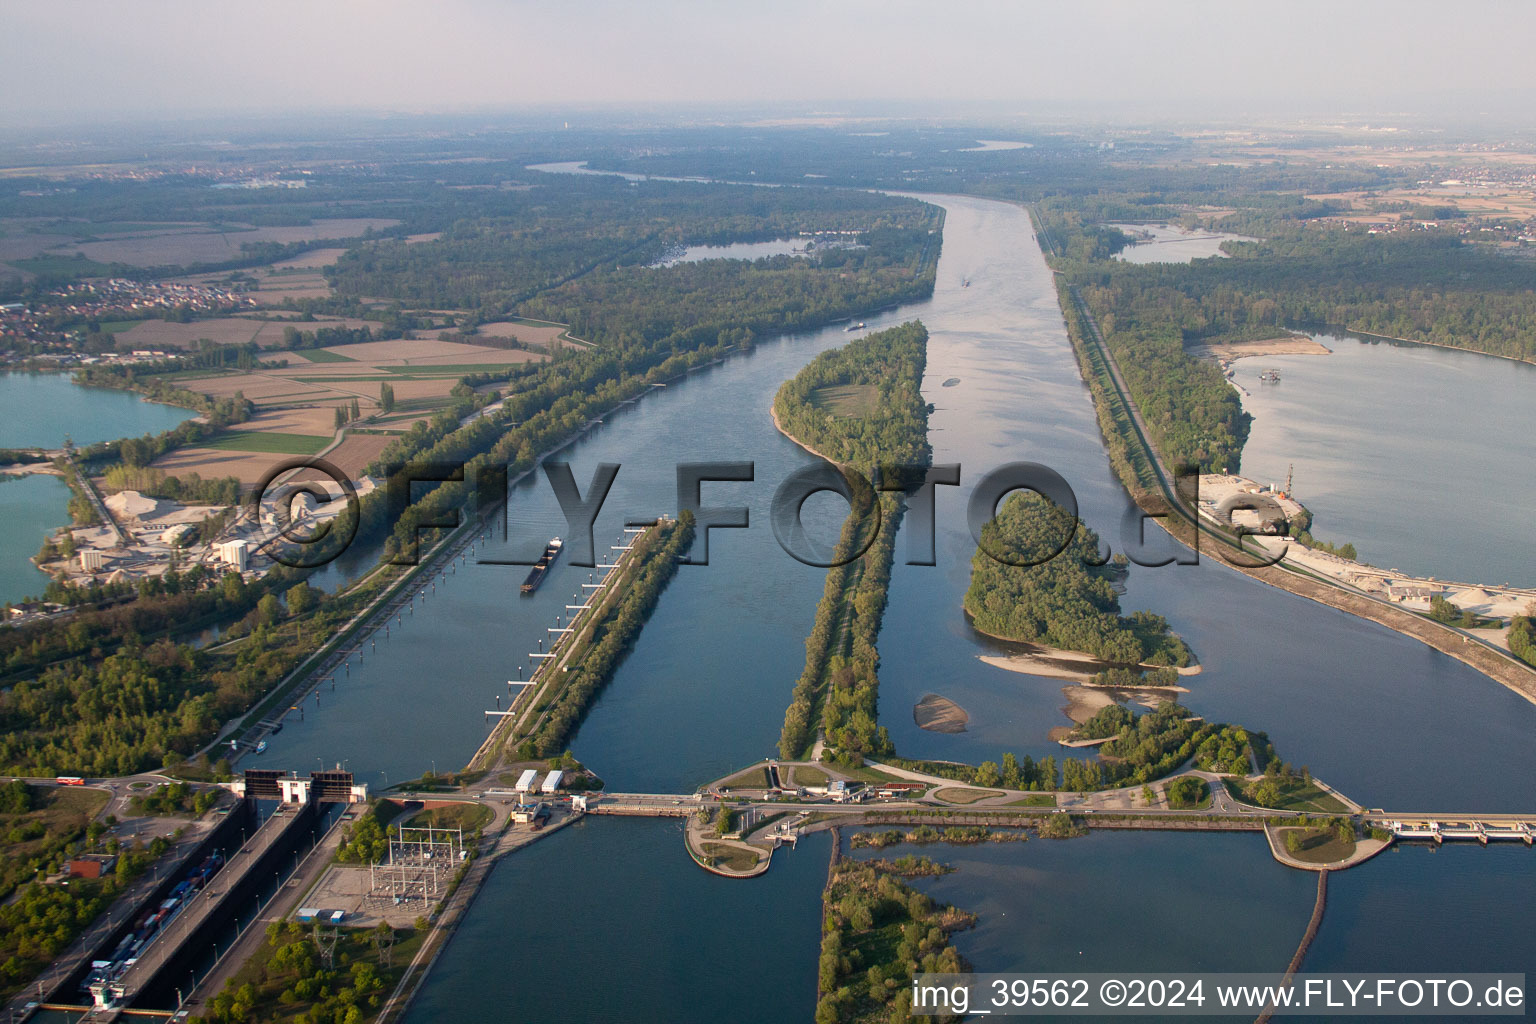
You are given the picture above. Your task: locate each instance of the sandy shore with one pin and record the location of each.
(780, 428)
(1289, 345)
(939, 714)
(1074, 665)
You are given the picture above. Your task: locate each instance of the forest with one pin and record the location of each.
(518, 246)
(878, 933)
(1424, 285)
(1303, 272)
(861, 406)
(1067, 601)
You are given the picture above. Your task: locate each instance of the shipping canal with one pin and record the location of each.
(706, 685)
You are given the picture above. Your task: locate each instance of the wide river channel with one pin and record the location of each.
(610, 921)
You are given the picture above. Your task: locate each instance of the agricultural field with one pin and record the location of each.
(300, 399)
(846, 399)
(177, 245)
(299, 277)
(227, 330)
(269, 441)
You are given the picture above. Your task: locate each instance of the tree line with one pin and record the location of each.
(887, 428)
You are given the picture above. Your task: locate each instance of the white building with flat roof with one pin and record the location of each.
(236, 554)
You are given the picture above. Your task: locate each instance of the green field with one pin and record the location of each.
(1035, 800)
(325, 355)
(846, 399)
(119, 326)
(753, 778)
(805, 775)
(1299, 796)
(269, 442)
(733, 858)
(1318, 846)
(465, 816)
(62, 266)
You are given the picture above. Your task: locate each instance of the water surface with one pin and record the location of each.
(1419, 456)
(1172, 244)
(31, 508)
(609, 920)
(41, 409)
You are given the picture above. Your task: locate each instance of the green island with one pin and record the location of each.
(862, 407)
(1021, 589)
(603, 643)
(877, 934)
(1141, 748)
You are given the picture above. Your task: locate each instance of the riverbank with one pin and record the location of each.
(1289, 345)
(780, 428)
(1438, 344)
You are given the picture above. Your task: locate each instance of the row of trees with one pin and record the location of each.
(889, 426)
(190, 489)
(612, 637)
(1522, 638)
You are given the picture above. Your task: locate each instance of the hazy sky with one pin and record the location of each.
(62, 60)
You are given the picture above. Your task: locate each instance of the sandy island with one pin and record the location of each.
(939, 714)
(1084, 697)
(1074, 665)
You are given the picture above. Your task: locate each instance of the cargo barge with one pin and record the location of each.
(536, 574)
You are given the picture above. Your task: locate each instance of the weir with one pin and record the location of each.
(1438, 830)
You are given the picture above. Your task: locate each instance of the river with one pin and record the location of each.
(41, 410)
(1384, 718)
